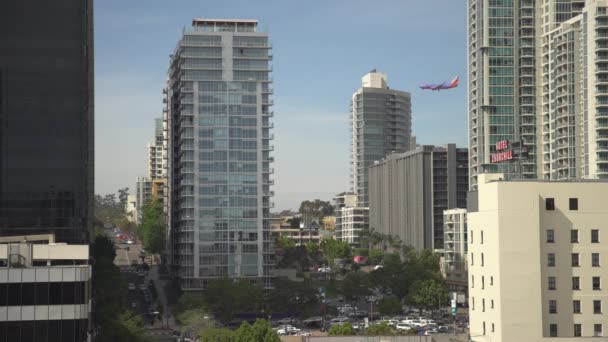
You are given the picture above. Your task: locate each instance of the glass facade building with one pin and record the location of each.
(219, 133)
(381, 124)
(46, 119)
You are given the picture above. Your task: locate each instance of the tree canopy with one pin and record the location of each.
(345, 329)
(152, 227)
(316, 208)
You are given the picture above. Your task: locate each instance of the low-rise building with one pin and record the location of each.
(536, 259)
(45, 290)
(282, 227)
(454, 260)
(350, 221)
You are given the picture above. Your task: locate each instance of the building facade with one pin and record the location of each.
(381, 120)
(538, 74)
(157, 153)
(409, 192)
(46, 110)
(454, 262)
(350, 221)
(45, 290)
(219, 112)
(536, 260)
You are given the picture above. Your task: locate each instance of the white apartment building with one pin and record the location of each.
(537, 261)
(350, 221)
(454, 265)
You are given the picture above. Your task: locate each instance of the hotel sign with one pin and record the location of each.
(503, 152)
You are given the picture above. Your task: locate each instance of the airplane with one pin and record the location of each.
(442, 86)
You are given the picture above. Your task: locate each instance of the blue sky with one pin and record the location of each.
(321, 50)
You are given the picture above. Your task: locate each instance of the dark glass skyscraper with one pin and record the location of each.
(46, 118)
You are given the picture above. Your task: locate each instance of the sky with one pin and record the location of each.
(321, 49)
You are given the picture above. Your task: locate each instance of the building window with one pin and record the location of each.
(596, 283)
(576, 283)
(471, 236)
(597, 330)
(483, 305)
(472, 303)
(492, 327)
(551, 283)
(595, 235)
(483, 282)
(491, 280)
(597, 306)
(549, 204)
(576, 306)
(595, 259)
(574, 204)
(482, 259)
(574, 235)
(472, 281)
(552, 306)
(551, 259)
(575, 261)
(484, 328)
(553, 330)
(577, 330)
(481, 240)
(491, 303)
(550, 236)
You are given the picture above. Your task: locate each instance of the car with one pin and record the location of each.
(393, 322)
(403, 326)
(285, 321)
(303, 333)
(324, 269)
(287, 330)
(141, 274)
(129, 242)
(339, 320)
(143, 287)
(377, 267)
(360, 313)
(131, 286)
(442, 329)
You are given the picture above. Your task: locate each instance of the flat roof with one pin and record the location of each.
(197, 21)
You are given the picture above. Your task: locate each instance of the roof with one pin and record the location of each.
(197, 21)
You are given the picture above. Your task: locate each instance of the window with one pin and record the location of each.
(550, 236)
(574, 204)
(472, 281)
(471, 235)
(576, 306)
(484, 328)
(472, 303)
(574, 235)
(552, 306)
(551, 259)
(596, 283)
(595, 259)
(595, 235)
(597, 330)
(549, 204)
(575, 261)
(577, 330)
(576, 283)
(491, 303)
(551, 283)
(481, 240)
(482, 259)
(553, 330)
(483, 282)
(483, 305)
(597, 306)
(491, 280)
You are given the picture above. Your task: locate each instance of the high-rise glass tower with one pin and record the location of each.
(219, 133)
(522, 87)
(381, 121)
(46, 119)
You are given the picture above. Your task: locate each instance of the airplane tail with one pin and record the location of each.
(454, 82)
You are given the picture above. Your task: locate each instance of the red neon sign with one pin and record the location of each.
(502, 156)
(502, 145)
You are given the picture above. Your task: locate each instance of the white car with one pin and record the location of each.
(288, 330)
(403, 326)
(303, 333)
(325, 269)
(377, 267)
(129, 242)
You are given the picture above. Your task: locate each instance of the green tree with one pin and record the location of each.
(217, 335)
(189, 301)
(316, 208)
(226, 297)
(345, 329)
(153, 227)
(334, 249)
(285, 242)
(430, 294)
(123, 195)
(260, 331)
(195, 321)
(103, 247)
(380, 329)
(292, 296)
(389, 306)
(375, 256)
(355, 285)
(124, 327)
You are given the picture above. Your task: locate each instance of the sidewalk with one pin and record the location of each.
(168, 319)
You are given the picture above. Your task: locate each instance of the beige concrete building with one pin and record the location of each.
(536, 260)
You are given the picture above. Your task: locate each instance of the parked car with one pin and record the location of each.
(324, 269)
(403, 326)
(377, 267)
(442, 329)
(303, 333)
